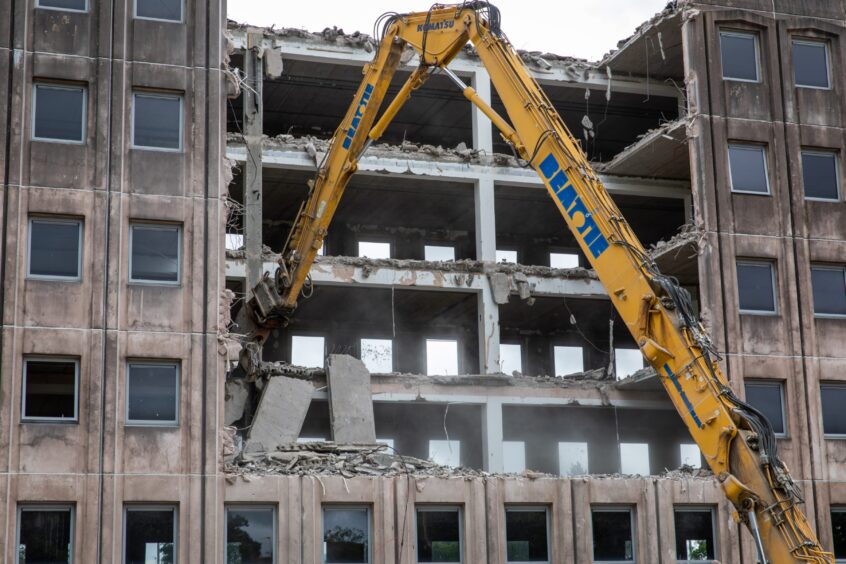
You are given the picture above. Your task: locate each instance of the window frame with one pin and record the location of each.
(127, 422)
(766, 313)
(59, 220)
(830, 384)
(698, 509)
(434, 507)
(161, 95)
(772, 384)
(139, 507)
(160, 226)
(55, 359)
(836, 508)
(69, 507)
(764, 152)
(756, 39)
(631, 509)
(369, 511)
(836, 154)
(181, 19)
(832, 267)
(528, 509)
(60, 86)
(250, 507)
(826, 49)
(74, 10)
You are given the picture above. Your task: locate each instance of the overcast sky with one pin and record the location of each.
(578, 28)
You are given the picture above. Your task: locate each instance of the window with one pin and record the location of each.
(66, 5)
(568, 360)
(439, 534)
(739, 54)
(834, 416)
(613, 534)
(627, 362)
(572, 459)
(510, 358)
(756, 287)
(634, 458)
(374, 250)
(234, 241)
(250, 535)
(55, 248)
(152, 393)
(819, 175)
(377, 355)
(58, 113)
(810, 64)
(45, 534)
(526, 534)
(309, 352)
(165, 10)
(694, 534)
(346, 534)
(149, 534)
(503, 255)
(563, 260)
(829, 286)
(441, 357)
(445, 453)
(438, 253)
(388, 443)
(155, 253)
(513, 457)
(748, 169)
(768, 398)
(690, 455)
(50, 389)
(838, 530)
(157, 120)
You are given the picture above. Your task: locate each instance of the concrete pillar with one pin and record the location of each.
(482, 132)
(492, 437)
(252, 124)
(488, 310)
(485, 219)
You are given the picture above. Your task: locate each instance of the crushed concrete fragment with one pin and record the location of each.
(689, 236)
(350, 400)
(280, 413)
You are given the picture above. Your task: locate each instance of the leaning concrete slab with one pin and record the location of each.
(280, 413)
(237, 394)
(350, 402)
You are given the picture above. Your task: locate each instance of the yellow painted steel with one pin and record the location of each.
(677, 350)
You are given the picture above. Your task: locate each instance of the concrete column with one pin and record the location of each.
(252, 128)
(482, 132)
(485, 219)
(492, 438)
(488, 310)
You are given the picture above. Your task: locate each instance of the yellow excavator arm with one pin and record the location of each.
(736, 440)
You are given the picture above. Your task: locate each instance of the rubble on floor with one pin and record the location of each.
(690, 236)
(661, 152)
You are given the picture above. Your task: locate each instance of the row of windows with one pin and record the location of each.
(768, 398)
(756, 287)
(162, 10)
(59, 115)
(45, 534)
(741, 59)
(748, 172)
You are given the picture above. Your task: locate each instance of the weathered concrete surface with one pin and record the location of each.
(350, 402)
(280, 412)
(237, 393)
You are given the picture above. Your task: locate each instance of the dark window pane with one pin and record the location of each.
(157, 121)
(438, 536)
(612, 536)
(59, 113)
(155, 254)
(838, 526)
(755, 287)
(829, 285)
(766, 398)
(810, 64)
(748, 169)
(738, 55)
(159, 9)
(50, 389)
(694, 535)
(345, 535)
(525, 536)
(54, 248)
(152, 392)
(819, 175)
(45, 536)
(149, 536)
(834, 415)
(63, 4)
(249, 536)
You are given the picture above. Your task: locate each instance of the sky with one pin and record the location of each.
(578, 28)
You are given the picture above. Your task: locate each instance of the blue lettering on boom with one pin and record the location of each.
(359, 111)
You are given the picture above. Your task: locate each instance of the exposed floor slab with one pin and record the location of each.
(660, 153)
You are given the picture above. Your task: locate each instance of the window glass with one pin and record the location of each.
(748, 169)
(694, 535)
(819, 175)
(513, 456)
(346, 535)
(612, 535)
(568, 360)
(149, 535)
(572, 459)
(506, 256)
(152, 393)
(810, 63)
(838, 527)
(377, 355)
(834, 416)
(309, 352)
(50, 389)
(170, 10)
(45, 535)
(829, 286)
(627, 362)
(526, 535)
(441, 357)
(755, 287)
(739, 53)
(157, 121)
(690, 455)
(634, 458)
(767, 398)
(438, 535)
(563, 260)
(445, 453)
(54, 248)
(76, 5)
(59, 113)
(373, 250)
(510, 358)
(155, 253)
(250, 535)
(438, 253)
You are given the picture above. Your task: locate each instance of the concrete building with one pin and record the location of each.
(130, 431)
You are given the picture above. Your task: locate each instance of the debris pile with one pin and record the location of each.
(690, 236)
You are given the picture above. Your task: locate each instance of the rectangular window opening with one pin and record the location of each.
(838, 530)
(756, 287)
(526, 534)
(634, 458)
(374, 250)
(829, 289)
(250, 535)
(149, 534)
(568, 360)
(513, 457)
(309, 352)
(739, 55)
(59, 113)
(378, 355)
(439, 534)
(563, 260)
(510, 358)
(45, 534)
(833, 397)
(820, 176)
(505, 255)
(694, 534)
(613, 534)
(441, 357)
(627, 361)
(346, 534)
(157, 120)
(690, 455)
(572, 459)
(50, 390)
(64, 5)
(152, 393)
(810, 64)
(768, 398)
(55, 249)
(445, 453)
(155, 253)
(161, 10)
(438, 253)
(748, 169)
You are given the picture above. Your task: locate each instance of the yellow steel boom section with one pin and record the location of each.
(735, 439)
